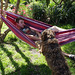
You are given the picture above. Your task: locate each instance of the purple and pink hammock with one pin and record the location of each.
(63, 37)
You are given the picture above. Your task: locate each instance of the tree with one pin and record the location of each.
(2, 36)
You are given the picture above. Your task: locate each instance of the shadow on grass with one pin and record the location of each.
(10, 57)
(32, 70)
(28, 69)
(2, 68)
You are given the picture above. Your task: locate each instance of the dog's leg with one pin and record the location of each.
(38, 44)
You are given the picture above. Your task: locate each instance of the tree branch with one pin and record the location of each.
(17, 6)
(57, 3)
(5, 33)
(61, 2)
(6, 5)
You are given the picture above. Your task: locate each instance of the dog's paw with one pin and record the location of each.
(40, 51)
(38, 44)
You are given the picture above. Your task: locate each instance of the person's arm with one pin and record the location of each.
(56, 29)
(33, 37)
(39, 34)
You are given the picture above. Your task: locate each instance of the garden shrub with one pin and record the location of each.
(71, 14)
(58, 14)
(54, 12)
(37, 11)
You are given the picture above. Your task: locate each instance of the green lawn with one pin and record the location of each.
(18, 58)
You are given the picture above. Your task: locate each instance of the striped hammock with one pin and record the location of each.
(63, 37)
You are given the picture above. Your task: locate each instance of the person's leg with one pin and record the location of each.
(56, 29)
(33, 37)
(71, 56)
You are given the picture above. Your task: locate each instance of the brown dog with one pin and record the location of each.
(52, 51)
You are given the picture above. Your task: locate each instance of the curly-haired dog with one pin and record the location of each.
(52, 51)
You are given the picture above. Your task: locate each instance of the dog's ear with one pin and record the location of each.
(44, 36)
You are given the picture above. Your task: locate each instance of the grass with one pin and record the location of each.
(15, 59)
(18, 58)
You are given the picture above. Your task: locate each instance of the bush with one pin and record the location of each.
(52, 14)
(58, 14)
(37, 11)
(71, 14)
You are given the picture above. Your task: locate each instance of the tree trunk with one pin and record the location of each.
(17, 6)
(6, 5)
(2, 36)
(1, 22)
(0, 26)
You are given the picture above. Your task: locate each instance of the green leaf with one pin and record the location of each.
(11, 1)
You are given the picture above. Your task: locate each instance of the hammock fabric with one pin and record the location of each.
(63, 37)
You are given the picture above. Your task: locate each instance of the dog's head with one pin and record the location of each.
(47, 34)
(49, 40)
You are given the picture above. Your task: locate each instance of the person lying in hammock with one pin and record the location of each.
(36, 36)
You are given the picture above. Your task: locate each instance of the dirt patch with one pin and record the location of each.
(33, 51)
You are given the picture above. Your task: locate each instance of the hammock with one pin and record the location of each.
(63, 37)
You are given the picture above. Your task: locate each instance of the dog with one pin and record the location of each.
(53, 53)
